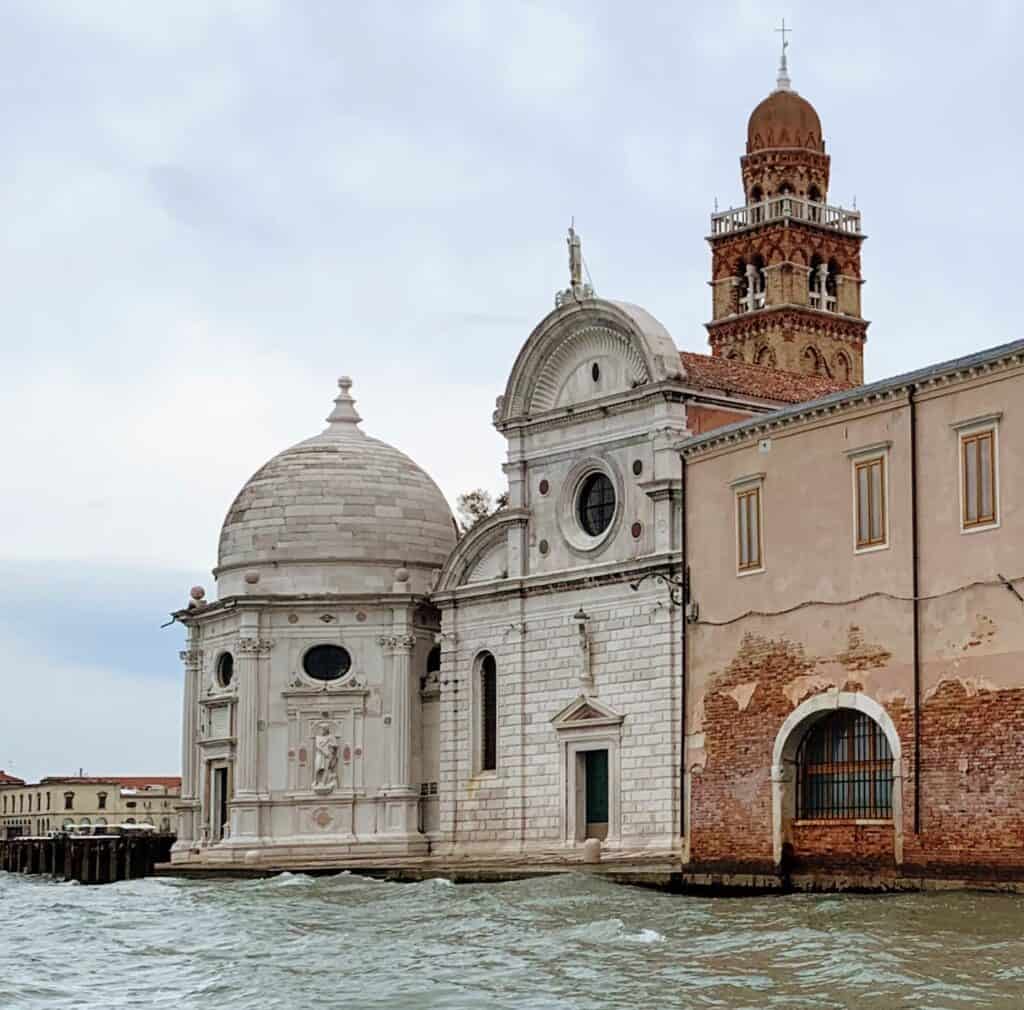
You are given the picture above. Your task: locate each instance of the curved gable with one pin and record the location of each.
(587, 350)
(482, 554)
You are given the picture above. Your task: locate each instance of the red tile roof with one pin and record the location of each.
(733, 376)
(10, 780)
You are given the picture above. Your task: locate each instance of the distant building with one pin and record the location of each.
(57, 802)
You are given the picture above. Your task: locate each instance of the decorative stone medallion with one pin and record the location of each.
(322, 818)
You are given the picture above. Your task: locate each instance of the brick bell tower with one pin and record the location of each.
(786, 273)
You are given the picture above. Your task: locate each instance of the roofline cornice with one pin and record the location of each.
(932, 378)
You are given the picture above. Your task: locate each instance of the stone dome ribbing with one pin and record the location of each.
(339, 496)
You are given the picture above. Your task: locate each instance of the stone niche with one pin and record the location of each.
(338, 717)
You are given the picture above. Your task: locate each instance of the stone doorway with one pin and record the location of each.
(594, 773)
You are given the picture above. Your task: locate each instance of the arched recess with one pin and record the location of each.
(765, 357)
(569, 340)
(812, 362)
(842, 368)
(787, 742)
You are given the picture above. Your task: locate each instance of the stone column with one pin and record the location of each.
(399, 649)
(402, 797)
(244, 803)
(192, 658)
(247, 716)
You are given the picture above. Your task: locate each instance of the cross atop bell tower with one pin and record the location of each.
(786, 274)
(782, 81)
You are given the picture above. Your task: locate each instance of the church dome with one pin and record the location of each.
(784, 119)
(339, 497)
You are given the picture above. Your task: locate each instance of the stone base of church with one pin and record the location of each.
(660, 869)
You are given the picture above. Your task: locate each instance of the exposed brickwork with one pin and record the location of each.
(701, 419)
(845, 845)
(744, 708)
(972, 778)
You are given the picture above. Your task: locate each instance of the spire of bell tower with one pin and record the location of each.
(782, 82)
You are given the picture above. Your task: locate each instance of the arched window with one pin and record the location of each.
(69, 801)
(434, 659)
(488, 713)
(844, 769)
(813, 193)
(751, 281)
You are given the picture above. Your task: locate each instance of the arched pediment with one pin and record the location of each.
(586, 350)
(482, 554)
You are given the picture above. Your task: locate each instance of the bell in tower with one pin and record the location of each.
(786, 273)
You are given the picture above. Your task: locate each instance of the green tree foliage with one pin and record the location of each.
(476, 505)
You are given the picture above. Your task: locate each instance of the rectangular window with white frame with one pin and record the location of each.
(979, 473)
(749, 527)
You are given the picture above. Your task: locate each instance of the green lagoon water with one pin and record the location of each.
(567, 942)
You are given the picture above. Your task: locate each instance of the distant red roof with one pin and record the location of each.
(10, 780)
(733, 376)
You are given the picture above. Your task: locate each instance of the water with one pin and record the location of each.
(568, 942)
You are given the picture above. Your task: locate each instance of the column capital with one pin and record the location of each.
(191, 657)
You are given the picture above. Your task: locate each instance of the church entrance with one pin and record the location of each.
(595, 776)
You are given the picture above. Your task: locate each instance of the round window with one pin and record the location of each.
(595, 506)
(225, 669)
(326, 662)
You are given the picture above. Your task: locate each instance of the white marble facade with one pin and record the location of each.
(342, 541)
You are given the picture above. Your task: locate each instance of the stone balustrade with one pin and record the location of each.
(780, 208)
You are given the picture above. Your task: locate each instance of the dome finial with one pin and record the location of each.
(782, 82)
(344, 417)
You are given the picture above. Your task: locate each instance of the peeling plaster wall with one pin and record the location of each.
(746, 677)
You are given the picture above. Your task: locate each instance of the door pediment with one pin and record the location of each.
(585, 713)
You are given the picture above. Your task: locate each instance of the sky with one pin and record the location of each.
(213, 208)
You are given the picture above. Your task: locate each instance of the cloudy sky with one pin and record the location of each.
(212, 208)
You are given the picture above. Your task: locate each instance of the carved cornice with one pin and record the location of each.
(765, 322)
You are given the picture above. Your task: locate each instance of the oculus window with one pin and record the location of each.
(225, 669)
(326, 662)
(595, 506)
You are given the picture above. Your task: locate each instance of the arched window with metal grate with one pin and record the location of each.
(844, 769)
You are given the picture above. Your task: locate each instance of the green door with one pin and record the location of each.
(596, 769)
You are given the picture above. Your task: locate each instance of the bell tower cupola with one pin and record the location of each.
(786, 274)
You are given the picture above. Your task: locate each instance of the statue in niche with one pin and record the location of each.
(325, 759)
